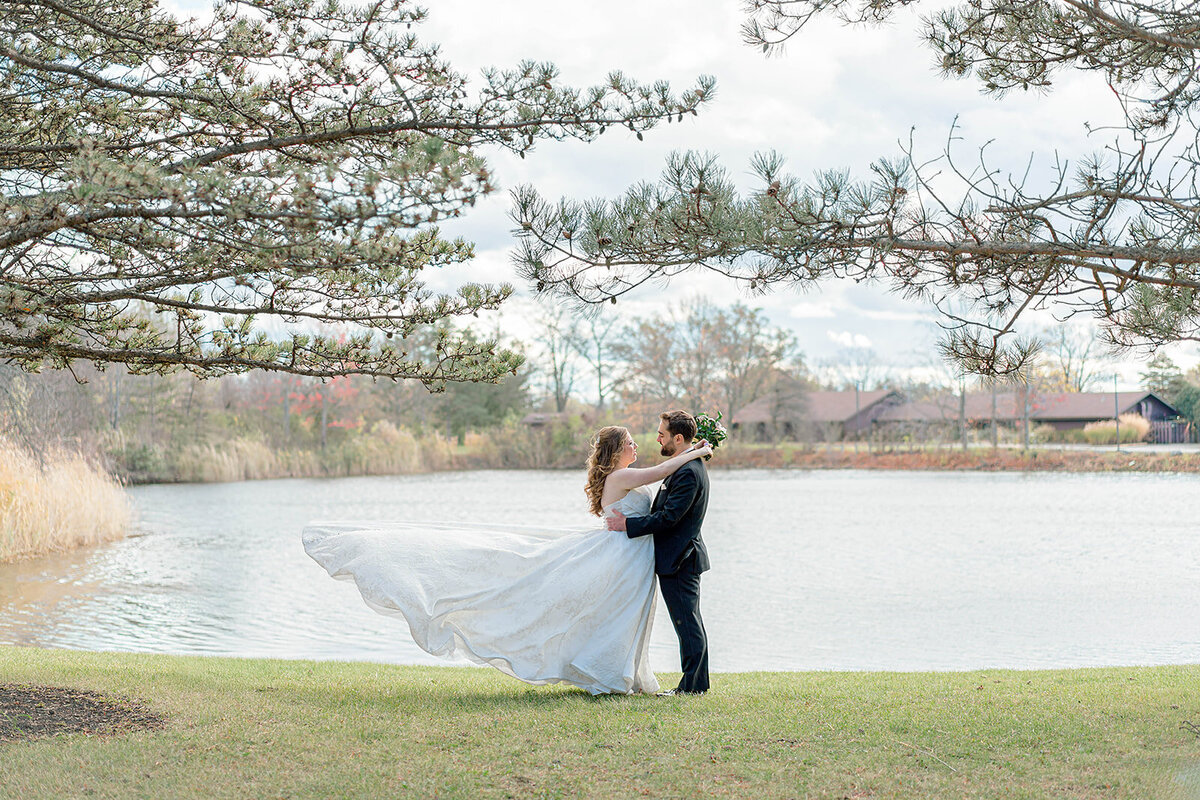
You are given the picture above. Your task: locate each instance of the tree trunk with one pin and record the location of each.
(995, 430)
(324, 418)
(962, 415)
(153, 407)
(1025, 416)
(115, 412)
(287, 413)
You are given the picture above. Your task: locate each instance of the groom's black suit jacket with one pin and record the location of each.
(675, 518)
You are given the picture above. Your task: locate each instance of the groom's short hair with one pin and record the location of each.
(680, 423)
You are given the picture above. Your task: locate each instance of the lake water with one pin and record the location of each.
(811, 570)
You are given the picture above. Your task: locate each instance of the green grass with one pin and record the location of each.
(248, 728)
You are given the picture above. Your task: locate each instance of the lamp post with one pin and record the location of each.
(1117, 411)
(857, 411)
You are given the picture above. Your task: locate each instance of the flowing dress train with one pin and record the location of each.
(543, 606)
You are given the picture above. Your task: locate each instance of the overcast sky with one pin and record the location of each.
(837, 98)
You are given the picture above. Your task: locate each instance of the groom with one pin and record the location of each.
(679, 555)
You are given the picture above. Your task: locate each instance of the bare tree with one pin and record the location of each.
(593, 342)
(697, 353)
(859, 368)
(648, 356)
(48, 410)
(751, 355)
(711, 359)
(557, 330)
(1072, 353)
(672, 359)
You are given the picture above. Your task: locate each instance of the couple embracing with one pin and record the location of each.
(552, 606)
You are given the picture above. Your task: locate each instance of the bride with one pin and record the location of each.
(543, 606)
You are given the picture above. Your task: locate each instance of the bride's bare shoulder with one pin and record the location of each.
(614, 489)
(624, 478)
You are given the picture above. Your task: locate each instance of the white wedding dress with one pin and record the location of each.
(543, 606)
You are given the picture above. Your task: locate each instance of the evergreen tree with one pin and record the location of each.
(1164, 378)
(251, 179)
(1187, 402)
(1114, 236)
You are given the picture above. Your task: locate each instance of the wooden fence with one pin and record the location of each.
(1172, 431)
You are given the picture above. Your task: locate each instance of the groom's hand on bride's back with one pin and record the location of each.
(616, 522)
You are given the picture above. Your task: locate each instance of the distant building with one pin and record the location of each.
(1076, 409)
(1061, 411)
(834, 416)
(812, 416)
(540, 419)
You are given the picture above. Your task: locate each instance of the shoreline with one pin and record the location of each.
(978, 459)
(464, 667)
(946, 458)
(9, 650)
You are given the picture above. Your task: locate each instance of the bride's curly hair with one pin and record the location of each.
(607, 445)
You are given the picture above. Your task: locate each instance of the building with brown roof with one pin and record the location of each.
(833, 416)
(1062, 410)
(1059, 410)
(812, 416)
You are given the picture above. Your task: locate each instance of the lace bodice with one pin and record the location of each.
(635, 504)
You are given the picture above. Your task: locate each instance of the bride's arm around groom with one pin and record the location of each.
(633, 477)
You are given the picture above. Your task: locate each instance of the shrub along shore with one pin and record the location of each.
(58, 502)
(264, 728)
(392, 451)
(1131, 458)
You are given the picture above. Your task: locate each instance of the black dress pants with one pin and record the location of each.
(681, 593)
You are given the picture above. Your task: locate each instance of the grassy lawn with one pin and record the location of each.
(256, 728)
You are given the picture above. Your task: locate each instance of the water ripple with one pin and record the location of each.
(813, 570)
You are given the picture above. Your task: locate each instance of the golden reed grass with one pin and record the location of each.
(1134, 428)
(60, 503)
(234, 460)
(384, 450)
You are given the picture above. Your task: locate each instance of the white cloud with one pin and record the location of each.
(822, 310)
(848, 339)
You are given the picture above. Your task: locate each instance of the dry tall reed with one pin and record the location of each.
(60, 503)
(234, 460)
(385, 450)
(1134, 428)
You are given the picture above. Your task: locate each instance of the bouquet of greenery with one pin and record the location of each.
(710, 430)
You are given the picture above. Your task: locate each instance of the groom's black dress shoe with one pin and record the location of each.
(677, 693)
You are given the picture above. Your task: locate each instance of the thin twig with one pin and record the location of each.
(929, 753)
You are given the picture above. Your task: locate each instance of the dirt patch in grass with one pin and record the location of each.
(30, 712)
